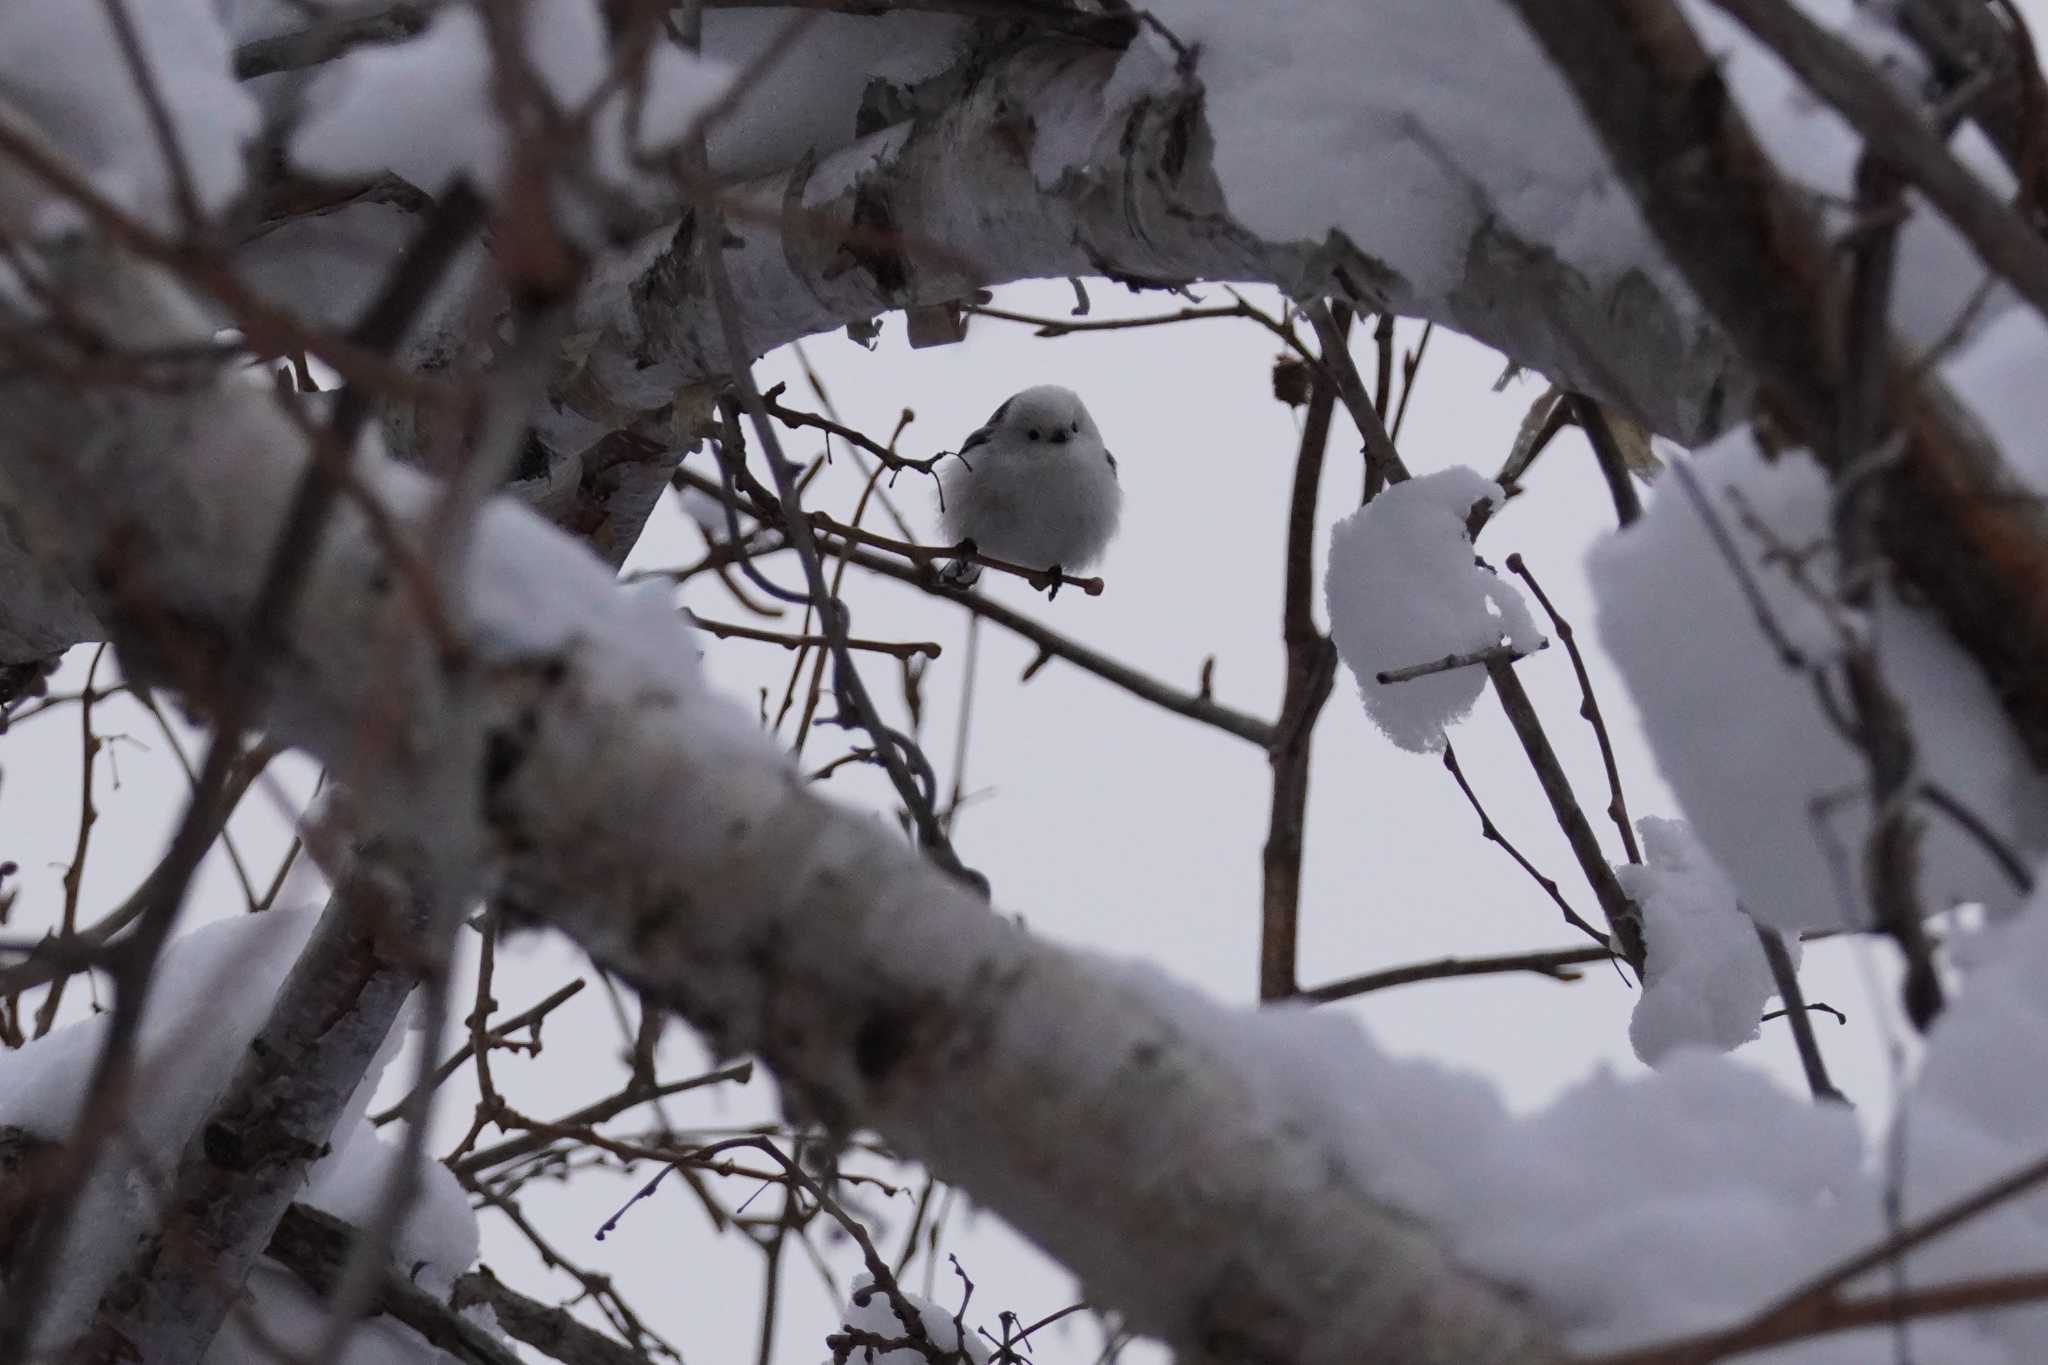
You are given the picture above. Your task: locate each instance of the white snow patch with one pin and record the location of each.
(1384, 120)
(62, 65)
(1698, 1194)
(425, 108)
(1403, 589)
(1705, 979)
(1768, 783)
(811, 98)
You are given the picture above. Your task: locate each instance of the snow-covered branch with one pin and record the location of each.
(1108, 1114)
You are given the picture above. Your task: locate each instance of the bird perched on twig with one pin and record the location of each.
(1035, 486)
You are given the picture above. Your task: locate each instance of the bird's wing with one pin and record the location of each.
(986, 430)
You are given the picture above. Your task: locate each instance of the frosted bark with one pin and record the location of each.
(1045, 165)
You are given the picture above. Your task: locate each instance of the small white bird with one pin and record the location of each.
(1035, 486)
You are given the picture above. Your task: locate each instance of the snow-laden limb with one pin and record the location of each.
(1109, 1117)
(316, 1056)
(1057, 160)
(1404, 593)
(214, 990)
(1260, 1185)
(1769, 782)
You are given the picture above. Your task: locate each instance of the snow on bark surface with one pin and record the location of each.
(1404, 589)
(1705, 978)
(62, 65)
(1407, 97)
(425, 108)
(1451, 129)
(213, 990)
(1700, 1194)
(811, 101)
(1770, 786)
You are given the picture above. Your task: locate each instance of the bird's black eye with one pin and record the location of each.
(1033, 433)
(1076, 428)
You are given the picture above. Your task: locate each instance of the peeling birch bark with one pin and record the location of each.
(1040, 166)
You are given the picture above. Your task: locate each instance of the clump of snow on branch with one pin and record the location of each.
(428, 109)
(1768, 782)
(1700, 1193)
(62, 67)
(212, 992)
(1706, 978)
(868, 1310)
(1403, 589)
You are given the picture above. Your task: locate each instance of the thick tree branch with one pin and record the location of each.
(655, 824)
(240, 1170)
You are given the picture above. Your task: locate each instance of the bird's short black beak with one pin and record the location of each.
(1059, 438)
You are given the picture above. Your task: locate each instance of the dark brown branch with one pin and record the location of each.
(1589, 708)
(1623, 919)
(1194, 706)
(796, 417)
(728, 630)
(1621, 484)
(1471, 658)
(316, 1247)
(1786, 977)
(1311, 669)
(1038, 576)
(1559, 964)
(1383, 461)
(1491, 833)
(1968, 48)
(1059, 327)
(484, 1158)
(1817, 1306)
(554, 1332)
(499, 1033)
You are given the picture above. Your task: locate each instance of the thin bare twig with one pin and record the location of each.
(1559, 964)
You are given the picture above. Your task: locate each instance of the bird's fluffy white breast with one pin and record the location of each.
(1037, 504)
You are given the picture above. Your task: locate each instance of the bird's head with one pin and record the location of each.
(1048, 414)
